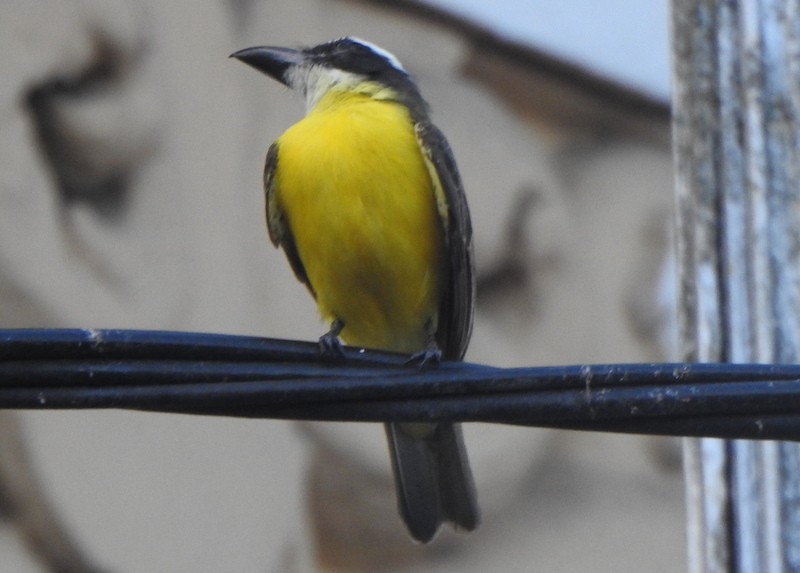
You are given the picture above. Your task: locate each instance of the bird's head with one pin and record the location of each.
(347, 64)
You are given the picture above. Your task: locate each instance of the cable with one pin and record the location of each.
(224, 375)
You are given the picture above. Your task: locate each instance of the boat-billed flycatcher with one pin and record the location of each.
(364, 196)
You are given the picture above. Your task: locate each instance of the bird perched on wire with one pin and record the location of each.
(365, 199)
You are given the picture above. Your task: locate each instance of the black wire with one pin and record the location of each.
(225, 375)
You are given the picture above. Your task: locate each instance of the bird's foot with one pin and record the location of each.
(432, 355)
(428, 358)
(329, 344)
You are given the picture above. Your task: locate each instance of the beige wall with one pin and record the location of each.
(165, 493)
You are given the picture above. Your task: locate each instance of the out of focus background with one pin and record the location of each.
(131, 151)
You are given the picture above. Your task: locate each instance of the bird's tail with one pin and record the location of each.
(433, 478)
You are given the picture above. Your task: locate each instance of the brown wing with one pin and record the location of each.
(279, 231)
(458, 303)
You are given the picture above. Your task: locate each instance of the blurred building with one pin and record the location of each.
(130, 185)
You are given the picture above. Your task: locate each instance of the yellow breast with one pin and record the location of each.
(360, 205)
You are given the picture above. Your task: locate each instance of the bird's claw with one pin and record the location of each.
(430, 357)
(329, 344)
(330, 347)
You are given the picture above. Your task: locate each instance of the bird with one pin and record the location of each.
(364, 197)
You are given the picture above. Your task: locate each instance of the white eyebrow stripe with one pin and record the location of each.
(391, 58)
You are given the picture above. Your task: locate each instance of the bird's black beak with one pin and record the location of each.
(271, 60)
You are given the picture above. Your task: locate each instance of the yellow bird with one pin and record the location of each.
(365, 199)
